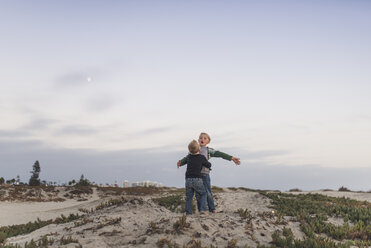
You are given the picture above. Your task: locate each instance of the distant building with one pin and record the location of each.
(126, 184)
(105, 185)
(146, 184)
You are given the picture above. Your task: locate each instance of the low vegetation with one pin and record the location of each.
(324, 221)
(15, 230)
(67, 240)
(181, 224)
(161, 243)
(45, 242)
(30, 193)
(243, 213)
(138, 191)
(295, 190)
(175, 203)
(313, 212)
(193, 243)
(342, 188)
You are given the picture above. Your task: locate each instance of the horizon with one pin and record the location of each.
(148, 183)
(117, 90)
(327, 180)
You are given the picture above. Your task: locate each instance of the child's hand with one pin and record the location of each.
(236, 160)
(179, 164)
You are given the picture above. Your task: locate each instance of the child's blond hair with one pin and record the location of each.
(208, 136)
(193, 147)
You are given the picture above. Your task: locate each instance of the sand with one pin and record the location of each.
(140, 222)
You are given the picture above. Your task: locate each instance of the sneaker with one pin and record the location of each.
(204, 213)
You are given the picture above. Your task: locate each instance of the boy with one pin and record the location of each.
(194, 184)
(204, 140)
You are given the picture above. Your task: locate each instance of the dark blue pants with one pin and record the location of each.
(210, 199)
(195, 186)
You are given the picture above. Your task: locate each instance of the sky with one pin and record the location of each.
(116, 90)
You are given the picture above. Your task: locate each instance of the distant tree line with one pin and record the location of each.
(35, 180)
(10, 181)
(82, 182)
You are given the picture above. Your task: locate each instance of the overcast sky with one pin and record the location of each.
(116, 90)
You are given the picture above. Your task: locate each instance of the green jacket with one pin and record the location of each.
(211, 153)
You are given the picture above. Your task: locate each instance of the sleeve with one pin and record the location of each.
(206, 163)
(184, 161)
(219, 154)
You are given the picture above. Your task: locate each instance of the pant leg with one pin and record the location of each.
(210, 199)
(198, 202)
(189, 195)
(198, 196)
(201, 192)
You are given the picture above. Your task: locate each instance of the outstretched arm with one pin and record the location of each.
(181, 162)
(219, 154)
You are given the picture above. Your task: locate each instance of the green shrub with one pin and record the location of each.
(169, 244)
(175, 203)
(68, 240)
(295, 190)
(243, 213)
(342, 188)
(313, 211)
(3, 237)
(15, 230)
(181, 223)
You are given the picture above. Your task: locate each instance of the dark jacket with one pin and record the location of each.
(194, 165)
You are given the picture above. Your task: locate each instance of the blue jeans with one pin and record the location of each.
(210, 198)
(195, 186)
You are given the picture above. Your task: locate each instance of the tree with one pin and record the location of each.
(10, 181)
(83, 181)
(34, 180)
(73, 182)
(2, 180)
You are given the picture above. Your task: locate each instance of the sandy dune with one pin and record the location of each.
(139, 221)
(12, 213)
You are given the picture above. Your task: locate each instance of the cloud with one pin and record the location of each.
(82, 77)
(147, 132)
(101, 103)
(262, 154)
(65, 164)
(77, 130)
(39, 123)
(97, 101)
(26, 130)
(13, 133)
(284, 177)
(156, 130)
(73, 79)
(363, 117)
